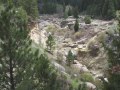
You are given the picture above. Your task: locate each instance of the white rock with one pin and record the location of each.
(84, 69)
(90, 86)
(59, 67)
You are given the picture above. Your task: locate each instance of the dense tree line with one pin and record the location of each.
(103, 8)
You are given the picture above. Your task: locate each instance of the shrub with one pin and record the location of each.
(86, 77)
(82, 86)
(87, 20)
(99, 84)
(59, 57)
(77, 35)
(75, 84)
(76, 26)
(70, 57)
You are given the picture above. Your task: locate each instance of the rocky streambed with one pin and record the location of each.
(85, 44)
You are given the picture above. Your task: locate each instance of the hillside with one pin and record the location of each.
(85, 44)
(59, 44)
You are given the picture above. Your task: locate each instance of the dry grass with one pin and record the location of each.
(77, 35)
(52, 29)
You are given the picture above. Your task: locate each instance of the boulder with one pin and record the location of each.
(59, 67)
(90, 86)
(63, 23)
(79, 67)
(67, 40)
(71, 26)
(84, 69)
(73, 45)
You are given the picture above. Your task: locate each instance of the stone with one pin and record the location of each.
(79, 67)
(84, 69)
(73, 45)
(63, 23)
(71, 26)
(90, 86)
(68, 40)
(82, 53)
(59, 67)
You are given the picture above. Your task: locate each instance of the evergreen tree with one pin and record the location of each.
(75, 12)
(30, 6)
(69, 12)
(112, 46)
(70, 58)
(76, 26)
(108, 10)
(47, 6)
(50, 43)
(20, 68)
(111, 10)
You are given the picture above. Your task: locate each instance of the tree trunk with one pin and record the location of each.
(11, 76)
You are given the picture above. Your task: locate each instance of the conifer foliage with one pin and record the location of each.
(50, 43)
(20, 67)
(76, 26)
(113, 51)
(70, 58)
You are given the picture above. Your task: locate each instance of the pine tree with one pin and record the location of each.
(69, 12)
(76, 26)
(108, 10)
(65, 13)
(30, 6)
(12, 22)
(112, 46)
(111, 10)
(50, 43)
(70, 58)
(75, 12)
(20, 67)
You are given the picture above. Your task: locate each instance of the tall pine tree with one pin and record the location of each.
(20, 67)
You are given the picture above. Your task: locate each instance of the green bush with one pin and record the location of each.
(70, 58)
(87, 20)
(75, 84)
(86, 77)
(82, 86)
